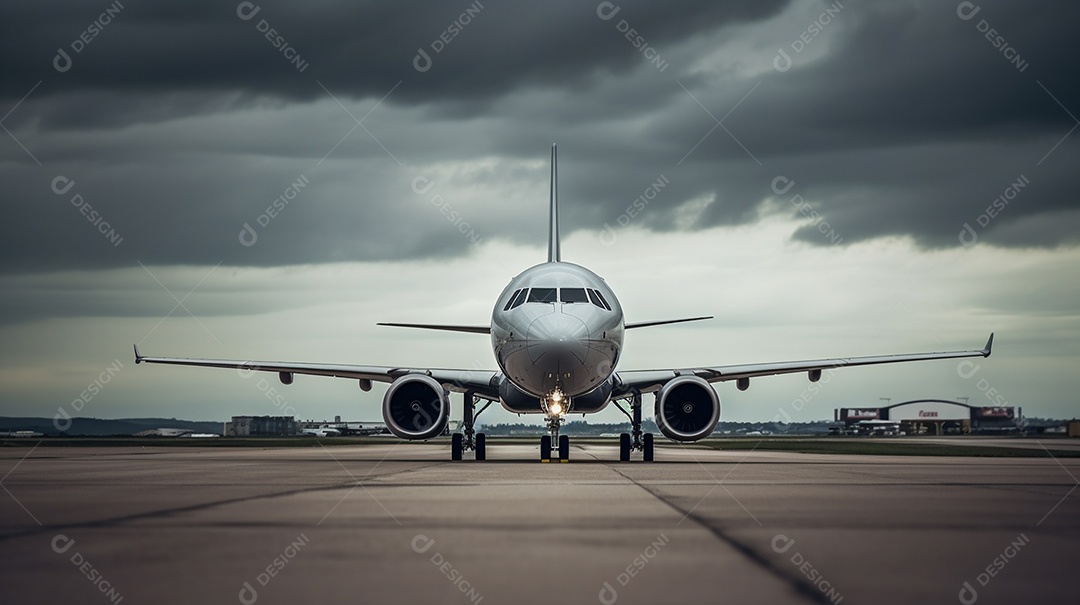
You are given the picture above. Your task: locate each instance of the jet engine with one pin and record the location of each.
(687, 409)
(416, 407)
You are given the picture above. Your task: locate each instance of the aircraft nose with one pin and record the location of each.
(561, 354)
(557, 342)
(556, 328)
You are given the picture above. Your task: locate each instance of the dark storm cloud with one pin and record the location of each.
(363, 48)
(179, 123)
(914, 123)
(182, 194)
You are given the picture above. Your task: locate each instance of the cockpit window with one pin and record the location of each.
(510, 301)
(542, 295)
(594, 299)
(573, 295)
(598, 299)
(520, 298)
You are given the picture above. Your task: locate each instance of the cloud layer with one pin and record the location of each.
(179, 123)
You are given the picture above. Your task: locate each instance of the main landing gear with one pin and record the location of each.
(635, 440)
(469, 439)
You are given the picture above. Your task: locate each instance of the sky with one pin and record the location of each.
(267, 180)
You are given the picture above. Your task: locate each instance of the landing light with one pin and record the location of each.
(555, 403)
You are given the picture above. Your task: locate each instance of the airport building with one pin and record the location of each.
(931, 417)
(346, 427)
(262, 426)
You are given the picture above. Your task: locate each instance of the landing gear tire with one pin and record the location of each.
(545, 448)
(457, 441)
(564, 448)
(647, 447)
(624, 447)
(481, 446)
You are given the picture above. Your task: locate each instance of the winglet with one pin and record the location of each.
(138, 357)
(989, 345)
(554, 253)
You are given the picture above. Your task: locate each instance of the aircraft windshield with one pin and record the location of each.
(598, 299)
(510, 301)
(542, 295)
(573, 295)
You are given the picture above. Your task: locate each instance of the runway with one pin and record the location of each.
(399, 523)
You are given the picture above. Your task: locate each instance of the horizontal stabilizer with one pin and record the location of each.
(470, 329)
(646, 324)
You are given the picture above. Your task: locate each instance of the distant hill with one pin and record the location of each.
(97, 427)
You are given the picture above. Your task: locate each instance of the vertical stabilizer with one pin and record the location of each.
(554, 253)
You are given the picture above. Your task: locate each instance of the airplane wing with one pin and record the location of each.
(647, 381)
(483, 382)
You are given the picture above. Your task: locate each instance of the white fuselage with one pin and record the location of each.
(557, 326)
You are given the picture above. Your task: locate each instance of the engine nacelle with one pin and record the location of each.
(416, 407)
(687, 409)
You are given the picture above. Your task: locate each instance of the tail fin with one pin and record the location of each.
(554, 253)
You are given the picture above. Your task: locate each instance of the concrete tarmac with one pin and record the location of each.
(1027, 443)
(399, 523)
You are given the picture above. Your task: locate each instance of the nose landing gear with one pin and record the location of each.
(554, 443)
(556, 406)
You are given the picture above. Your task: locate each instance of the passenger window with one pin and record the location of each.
(604, 302)
(542, 295)
(510, 301)
(573, 295)
(520, 298)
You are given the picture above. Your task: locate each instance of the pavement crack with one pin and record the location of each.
(797, 583)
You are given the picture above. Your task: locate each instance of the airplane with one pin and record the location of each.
(557, 334)
(321, 432)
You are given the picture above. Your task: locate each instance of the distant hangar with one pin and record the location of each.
(934, 417)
